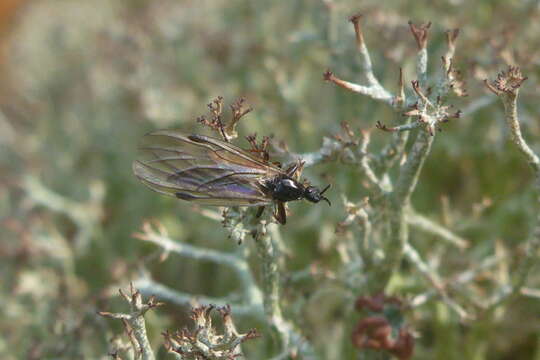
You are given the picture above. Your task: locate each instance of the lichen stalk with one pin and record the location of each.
(291, 340)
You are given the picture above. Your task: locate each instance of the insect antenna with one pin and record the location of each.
(280, 214)
(325, 198)
(326, 188)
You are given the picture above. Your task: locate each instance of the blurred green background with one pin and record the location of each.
(82, 81)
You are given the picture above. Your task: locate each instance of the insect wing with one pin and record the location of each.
(202, 169)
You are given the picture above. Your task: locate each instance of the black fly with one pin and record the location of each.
(209, 171)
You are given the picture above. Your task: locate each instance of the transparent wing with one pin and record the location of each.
(202, 169)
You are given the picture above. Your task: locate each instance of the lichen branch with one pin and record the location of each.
(84, 215)
(363, 51)
(204, 341)
(506, 87)
(420, 34)
(435, 280)
(158, 235)
(400, 128)
(371, 91)
(147, 285)
(291, 340)
(410, 172)
(426, 225)
(134, 322)
(374, 89)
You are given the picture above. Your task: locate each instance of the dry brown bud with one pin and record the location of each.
(383, 127)
(355, 19)
(420, 34)
(328, 76)
(451, 37)
(508, 81)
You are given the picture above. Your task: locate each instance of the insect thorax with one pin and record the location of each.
(283, 188)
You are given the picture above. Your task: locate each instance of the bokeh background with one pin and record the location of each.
(82, 81)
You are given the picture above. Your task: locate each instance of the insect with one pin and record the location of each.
(208, 171)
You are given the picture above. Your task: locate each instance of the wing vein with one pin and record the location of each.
(202, 169)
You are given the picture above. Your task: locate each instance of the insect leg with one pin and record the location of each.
(260, 211)
(280, 214)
